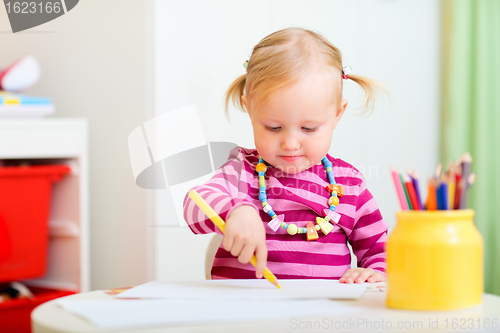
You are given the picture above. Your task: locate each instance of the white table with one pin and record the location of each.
(49, 317)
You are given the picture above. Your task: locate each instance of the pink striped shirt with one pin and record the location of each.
(301, 198)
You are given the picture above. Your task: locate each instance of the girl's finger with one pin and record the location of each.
(246, 253)
(376, 277)
(261, 255)
(352, 276)
(365, 274)
(345, 275)
(236, 247)
(227, 242)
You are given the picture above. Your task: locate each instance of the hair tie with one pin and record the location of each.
(245, 64)
(346, 71)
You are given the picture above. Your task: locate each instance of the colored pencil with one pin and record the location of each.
(447, 188)
(399, 189)
(443, 193)
(439, 197)
(411, 193)
(431, 203)
(451, 185)
(470, 181)
(406, 192)
(437, 172)
(458, 185)
(414, 179)
(466, 161)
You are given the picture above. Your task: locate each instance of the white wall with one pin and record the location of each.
(200, 47)
(94, 65)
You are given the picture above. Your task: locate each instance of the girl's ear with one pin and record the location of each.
(340, 111)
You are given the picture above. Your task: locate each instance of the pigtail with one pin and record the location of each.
(371, 87)
(234, 93)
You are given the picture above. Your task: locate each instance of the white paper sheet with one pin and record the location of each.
(247, 289)
(122, 313)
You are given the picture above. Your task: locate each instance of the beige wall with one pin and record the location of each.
(93, 62)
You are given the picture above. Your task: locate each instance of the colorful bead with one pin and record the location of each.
(337, 188)
(292, 229)
(330, 177)
(333, 201)
(261, 167)
(326, 227)
(311, 231)
(333, 216)
(275, 223)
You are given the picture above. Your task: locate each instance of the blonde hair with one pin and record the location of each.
(282, 58)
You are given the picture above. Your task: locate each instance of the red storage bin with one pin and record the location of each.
(25, 194)
(15, 314)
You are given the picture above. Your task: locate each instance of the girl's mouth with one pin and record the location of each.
(290, 158)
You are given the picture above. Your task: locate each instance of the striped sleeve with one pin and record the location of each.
(369, 233)
(222, 192)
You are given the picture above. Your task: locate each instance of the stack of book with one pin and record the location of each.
(15, 105)
(17, 77)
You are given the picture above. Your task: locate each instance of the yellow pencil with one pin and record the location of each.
(451, 185)
(217, 220)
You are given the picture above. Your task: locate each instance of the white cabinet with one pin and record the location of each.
(54, 141)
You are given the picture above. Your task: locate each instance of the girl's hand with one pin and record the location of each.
(245, 236)
(360, 275)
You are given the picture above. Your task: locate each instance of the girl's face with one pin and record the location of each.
(293, 130)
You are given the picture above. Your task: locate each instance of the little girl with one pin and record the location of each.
(287, 201)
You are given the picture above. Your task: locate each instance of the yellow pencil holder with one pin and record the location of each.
(434, 261)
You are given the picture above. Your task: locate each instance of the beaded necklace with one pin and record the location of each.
(310, 230)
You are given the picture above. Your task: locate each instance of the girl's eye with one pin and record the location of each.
(307, 129)
(276, 129)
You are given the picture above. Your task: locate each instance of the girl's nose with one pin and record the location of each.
(290, 142)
